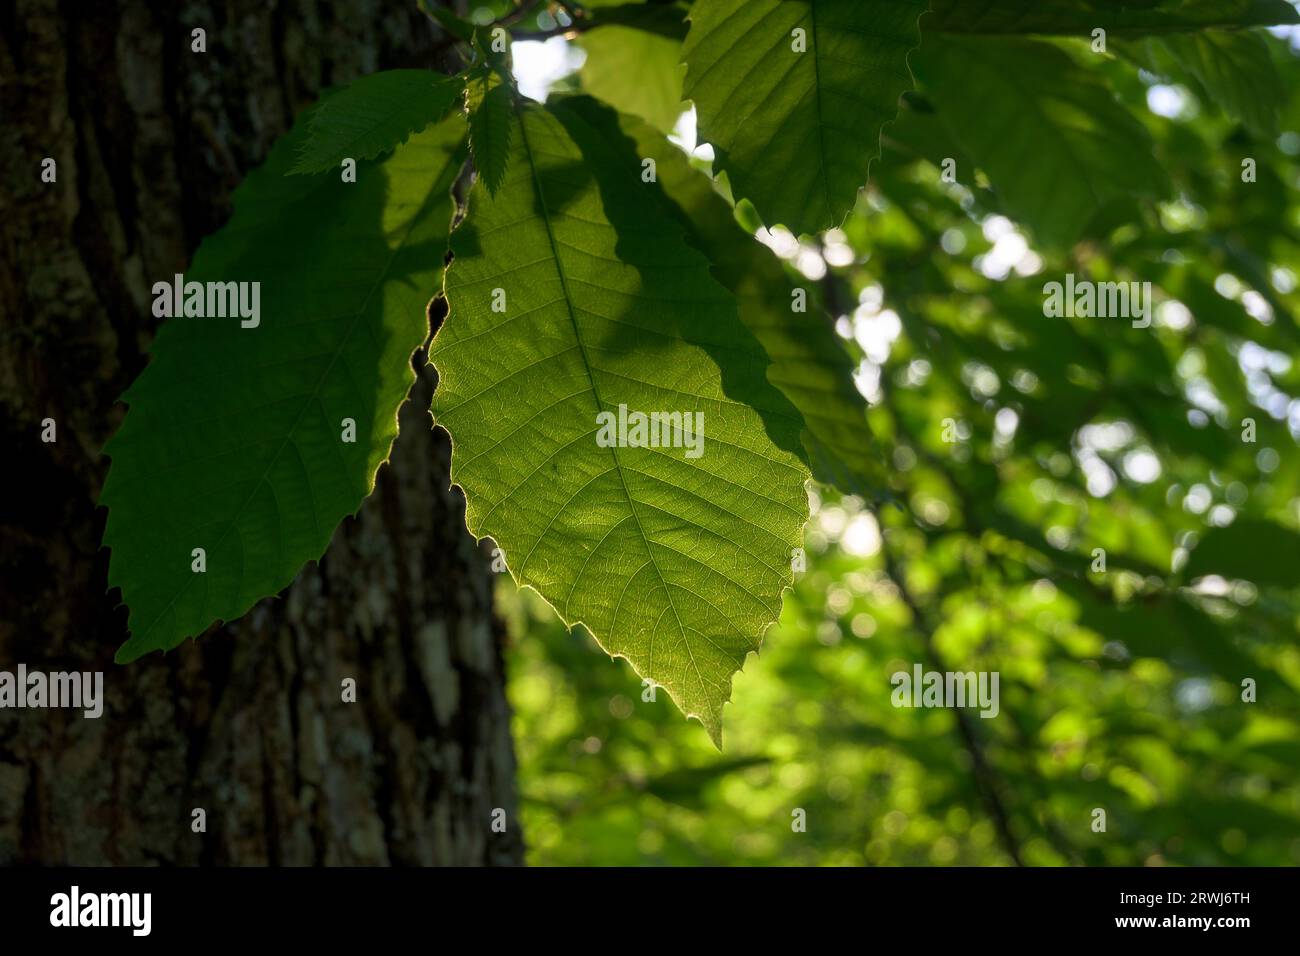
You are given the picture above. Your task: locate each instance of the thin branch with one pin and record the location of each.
(986, 779)
(520, 12)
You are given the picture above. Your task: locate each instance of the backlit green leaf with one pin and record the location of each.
(809, 362)
(1250, 548)
(1049, 134)
(636, 67)
(1236, 72)
(573, 293)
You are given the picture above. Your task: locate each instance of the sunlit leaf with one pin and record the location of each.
(652, 89)
(674, 558)
(809, 362)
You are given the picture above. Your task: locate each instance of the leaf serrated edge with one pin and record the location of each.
(473, 523)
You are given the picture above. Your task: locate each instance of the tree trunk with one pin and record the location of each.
(247, 724)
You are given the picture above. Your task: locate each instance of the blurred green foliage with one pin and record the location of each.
(1120, 689)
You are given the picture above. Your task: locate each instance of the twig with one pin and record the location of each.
(986, 781)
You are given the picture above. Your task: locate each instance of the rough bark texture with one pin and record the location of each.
(248, 723)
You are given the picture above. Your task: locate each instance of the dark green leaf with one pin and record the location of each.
(235, 437)
(372, 115)
(489, 103)
(793, 95)
(1117, 17)
(1235, 69)
(1249, 548)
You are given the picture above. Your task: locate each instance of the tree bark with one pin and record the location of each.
(248, 723)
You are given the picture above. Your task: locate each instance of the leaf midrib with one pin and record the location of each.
(821, 125)
(600, 404)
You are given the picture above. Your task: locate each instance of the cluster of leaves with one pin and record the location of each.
(1122, 689)
(578, 283)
